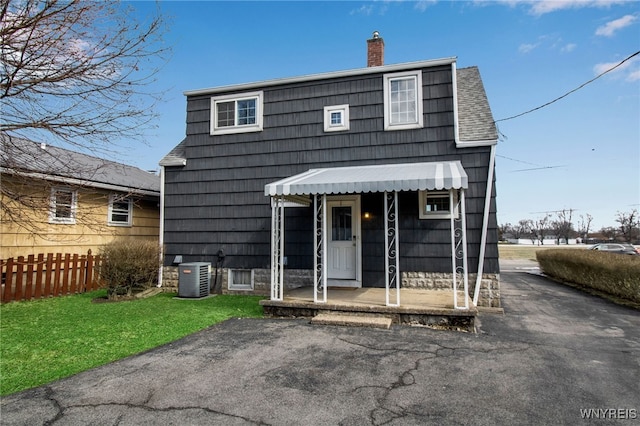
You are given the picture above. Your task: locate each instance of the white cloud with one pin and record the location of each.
(541, 7)
(630, 70)
(527, 47)
(363, 10)
(570, 47)
(634, 75)
(422, 5)
(611, 27)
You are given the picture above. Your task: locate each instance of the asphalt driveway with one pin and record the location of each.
(555, 356)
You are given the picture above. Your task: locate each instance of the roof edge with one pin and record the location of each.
(322, 76)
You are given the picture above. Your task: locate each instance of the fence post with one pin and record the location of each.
(49, 274)
(39, 268)
(73, 270)
(56, 276)
(8, 279)
(90, 271)
(65, 274)
(29, 284)
(19, 278)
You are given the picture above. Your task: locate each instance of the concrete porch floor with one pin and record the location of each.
(417, 306)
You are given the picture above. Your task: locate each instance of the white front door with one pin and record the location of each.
(343, 241)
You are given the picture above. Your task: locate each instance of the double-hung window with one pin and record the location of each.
(236, 113)
(403, 100)
(63, 204)
(120, 211)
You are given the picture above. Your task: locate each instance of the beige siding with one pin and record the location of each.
(25, 231)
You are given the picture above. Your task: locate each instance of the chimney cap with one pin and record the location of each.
(376, 34)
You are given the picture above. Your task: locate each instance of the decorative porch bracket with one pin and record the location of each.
(391, 258)
(320, 255)
(459, 250)
(277, 248)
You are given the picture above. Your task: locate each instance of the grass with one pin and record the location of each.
(522, 252)
(45, 340)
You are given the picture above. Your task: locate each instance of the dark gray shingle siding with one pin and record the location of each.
(216, 200)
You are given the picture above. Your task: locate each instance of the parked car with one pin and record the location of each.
(616, 248)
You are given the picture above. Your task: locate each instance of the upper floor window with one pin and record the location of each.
(236, 113)
(403, 100)
(63, 205)
(336, 118)
(120, 211)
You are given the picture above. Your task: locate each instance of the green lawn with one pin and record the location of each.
(514, 251)
(45, 340)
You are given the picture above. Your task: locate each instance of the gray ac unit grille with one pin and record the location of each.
(194, 279)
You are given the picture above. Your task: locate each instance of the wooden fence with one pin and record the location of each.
(52, 275)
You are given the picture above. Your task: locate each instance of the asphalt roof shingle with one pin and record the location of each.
(26, 156)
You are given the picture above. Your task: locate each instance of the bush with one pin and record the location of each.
(614, 274)
(129, 266)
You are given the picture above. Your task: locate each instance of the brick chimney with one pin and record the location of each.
(375, 51)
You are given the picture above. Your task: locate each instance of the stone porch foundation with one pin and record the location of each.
(296, 278)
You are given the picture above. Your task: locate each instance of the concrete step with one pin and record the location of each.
(352, 320)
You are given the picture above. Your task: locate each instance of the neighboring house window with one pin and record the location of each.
(240, 279)
(336, 118)
(236, 113)
(437, 205)
(403, 101)
(64, 203)
(120, 211)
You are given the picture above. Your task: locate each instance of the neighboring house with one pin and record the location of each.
(59, 201)
(374, 177)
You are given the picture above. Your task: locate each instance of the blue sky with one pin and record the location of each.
(581, 152)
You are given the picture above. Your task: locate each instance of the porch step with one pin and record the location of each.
(352, 320)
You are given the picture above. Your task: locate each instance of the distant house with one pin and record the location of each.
(58, 201)
(373, 177)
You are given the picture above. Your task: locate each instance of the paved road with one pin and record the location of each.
(553, 353)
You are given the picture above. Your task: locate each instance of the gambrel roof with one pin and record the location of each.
(41, 161)
(475, 124)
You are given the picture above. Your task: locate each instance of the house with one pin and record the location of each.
(374, 177)
(58, 201)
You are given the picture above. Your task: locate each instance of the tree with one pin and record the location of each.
(541, 228)
(563, 226)
(629, 225)
(610, 233)
(76, 74)
(584, 226)
(78, 71)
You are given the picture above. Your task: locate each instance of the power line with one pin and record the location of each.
(571, 91)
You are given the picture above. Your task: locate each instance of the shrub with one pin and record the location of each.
(614, 274)
(129, 266)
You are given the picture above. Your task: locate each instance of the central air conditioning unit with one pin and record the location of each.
(194, 279)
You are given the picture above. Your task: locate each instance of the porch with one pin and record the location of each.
(433, 308)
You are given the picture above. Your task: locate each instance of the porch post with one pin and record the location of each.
(320, 255)
(391, 258)
(459, 248)
(277, 248)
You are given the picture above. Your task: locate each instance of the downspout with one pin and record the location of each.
(161, 236)
(485, 224)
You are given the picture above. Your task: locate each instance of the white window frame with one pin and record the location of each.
(53, 199)
(115, 198)
(419, 120)
(239, 287)
(443, 214)
(236, 128)
(343, 110)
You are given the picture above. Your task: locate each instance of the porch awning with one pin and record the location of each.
(377, 178)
